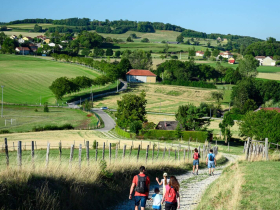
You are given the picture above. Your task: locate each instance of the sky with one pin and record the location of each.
(254, 18)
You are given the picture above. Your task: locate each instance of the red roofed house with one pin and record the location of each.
(269, 109)
(199, 53)
(22, 50)
(231, 61)
(137, 75)
(226, 54)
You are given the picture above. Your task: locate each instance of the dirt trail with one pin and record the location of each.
(192, 187)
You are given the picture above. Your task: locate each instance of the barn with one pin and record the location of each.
(143, 76)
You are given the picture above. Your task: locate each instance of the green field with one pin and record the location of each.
(25, 118)
(27, 79)
(245, 185)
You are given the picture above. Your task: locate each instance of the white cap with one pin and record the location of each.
(164, 174)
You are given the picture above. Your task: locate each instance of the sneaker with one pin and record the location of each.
(209, 174)
(193, 173)
(197, 173)
(212, 173)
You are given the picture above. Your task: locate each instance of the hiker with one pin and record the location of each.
(157, 198)
(211, 162)
(172, 196)
(164, 181)
(196, 157)
(141, 183)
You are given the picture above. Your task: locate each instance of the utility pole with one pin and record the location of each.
(2, 86)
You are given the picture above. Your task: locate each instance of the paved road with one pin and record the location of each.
(108, 121)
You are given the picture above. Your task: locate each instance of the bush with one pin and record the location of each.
(66, 126)
(46, 108)
(36, 110)
(135, 127)
(175, 57)
(123, 133)
(4, 131)
(171, 135)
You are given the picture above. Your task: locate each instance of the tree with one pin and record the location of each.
(260, 125)
(249, 105)
(46, 108)
(62, 86)
(109, 52)
(145, 40)
(2, 37)
(133, 36)
(191, 51)
(118, 53)
(208, 44)
(217, 96)
(131, 108)
(37, 28)
(190, 117)
(98, 52)
(8, 46)
(207, 53)
(129, 39)
(3, 28)
(178, 131)
(123, 67)
(85, 51)
(180, 38)
(216, 52)
(228, 121)
(188, 42)
(135, 127)
(248, 66)
(139, 59)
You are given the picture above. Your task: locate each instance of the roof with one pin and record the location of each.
(269, 109)
(200, 52)
(138, 72)
(262, 57)
(225, 53)
(167, 125)
(269, 57)
(231, 59)
(22, 48)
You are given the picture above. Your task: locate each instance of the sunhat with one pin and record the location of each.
(164, 174)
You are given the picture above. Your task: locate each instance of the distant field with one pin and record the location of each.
(28, 78)
(30, 25)
(26, 118)
(163, 98)
(269, 76)
(23, 33)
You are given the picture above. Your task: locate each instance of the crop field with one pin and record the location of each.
(23, 33)
(25, 118)
(27, 79)
(162, 98)
(30, 25)
(269, 76)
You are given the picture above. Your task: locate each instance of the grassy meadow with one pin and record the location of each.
(27, 78)
(245, 185)
(26, 118)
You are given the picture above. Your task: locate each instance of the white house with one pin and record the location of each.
(268, 61)
(21, 40)
(226, 54)
(13, 37)
(137, 75)
(260, 59)
(53, 45)
(199, 53)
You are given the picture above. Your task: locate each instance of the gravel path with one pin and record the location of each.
(191, 190)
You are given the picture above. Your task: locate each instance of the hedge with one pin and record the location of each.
(201, 136)
(123, 133)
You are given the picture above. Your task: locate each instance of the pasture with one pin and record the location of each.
(25, 118)
(27, 78)
(162, 98)
(23, 33)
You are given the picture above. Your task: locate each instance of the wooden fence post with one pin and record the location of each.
(71, 155)
(130, 151)
(266, 148)
(60, 150)
(179, 153)
(228, 145)
(32, 154)
(110, 155)
(163, 155)
(14, 146)
(103, 152)
(48, 154)
(116, 151)
(138, 153)
(7, 152)
(175, 154)
(19, 154)
(247, 149)
(184, 155)
(169, 152)
(87, 150)
(153, 153)
(124, 148)
(96, 151)
(158, 151)
(132, 143)
(80, 156)
(147, 153)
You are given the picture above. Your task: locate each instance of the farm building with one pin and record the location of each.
(137, 75)
(199, 53)
(260, 59)
(22, 50)
(13, 37)
(47, 41)
(231, 61)
(27, 38)
(167, 125)
(226, 54)
(268, 61)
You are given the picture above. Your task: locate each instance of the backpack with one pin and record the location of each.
(141, 184)
(170, 196)
(211, 157)
(196, 156)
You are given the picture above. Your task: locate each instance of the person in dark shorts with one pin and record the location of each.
(141, 183)
(172, 196)
(196, 157)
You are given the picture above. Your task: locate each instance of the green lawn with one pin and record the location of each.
(246, 185)
(27, 78)
(26, 118)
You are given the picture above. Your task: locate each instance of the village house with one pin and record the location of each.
(27, 38)
(33, 47)
(47, 41)
(231, 61)
(260, 59)
(268, 61)
(199, 53)
(226, 54)
(167, 125)
(219, 39)
(137, 75)
(53, 45)
(22, 50)
(41, 37)
(13, 37)
(21, 40)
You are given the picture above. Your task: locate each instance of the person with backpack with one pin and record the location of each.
(172, 196)
(141, 183)
(196, 157)
(164, 181)
(211, 162)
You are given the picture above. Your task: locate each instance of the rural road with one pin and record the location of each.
(192, 187)
(108, 121)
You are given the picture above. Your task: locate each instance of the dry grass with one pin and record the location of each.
(270, 76)
(23, 33)
(156, 118)
(160, 98)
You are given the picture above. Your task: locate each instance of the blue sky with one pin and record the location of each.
(243, 17)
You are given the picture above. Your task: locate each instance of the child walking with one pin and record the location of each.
(164, 181)
(157, 198)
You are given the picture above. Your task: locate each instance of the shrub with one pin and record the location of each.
(4, 131)
(175, 57)
(123, 133)
(46, 108)
(66, 126)
(36, 110)
(135, 127)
